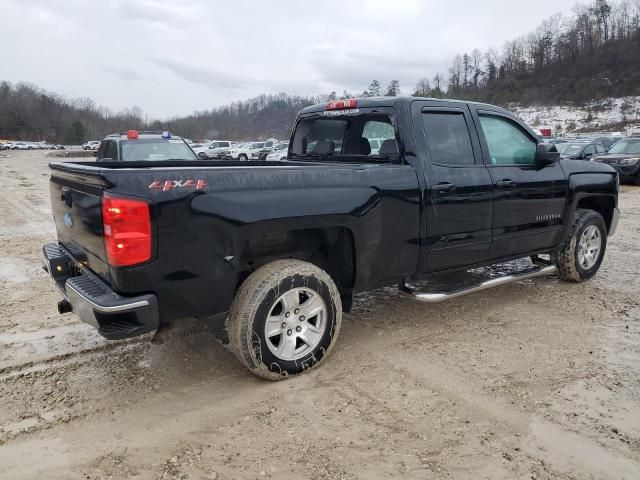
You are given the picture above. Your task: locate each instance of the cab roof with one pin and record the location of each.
(372, 102)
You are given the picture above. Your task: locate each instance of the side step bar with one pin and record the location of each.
(433, 297)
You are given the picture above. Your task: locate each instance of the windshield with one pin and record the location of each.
(257, 145)
(626, 147)
(282, 146)
(345, 137)
(156, 149)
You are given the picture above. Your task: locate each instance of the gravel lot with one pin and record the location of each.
(533, 380)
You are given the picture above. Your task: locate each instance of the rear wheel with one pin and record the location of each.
(242, 157)
(285, 319)
(203, 156)
(582, 254)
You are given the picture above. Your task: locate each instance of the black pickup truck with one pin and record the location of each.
(277, 250)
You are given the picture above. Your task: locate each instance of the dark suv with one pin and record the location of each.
(135, 146)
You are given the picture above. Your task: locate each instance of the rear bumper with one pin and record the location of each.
(92, 300)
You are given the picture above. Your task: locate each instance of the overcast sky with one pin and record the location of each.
(174, 57)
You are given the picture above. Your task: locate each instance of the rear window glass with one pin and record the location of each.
(349, 137)
(154, 149)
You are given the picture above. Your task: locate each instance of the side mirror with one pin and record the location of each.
(546, 153)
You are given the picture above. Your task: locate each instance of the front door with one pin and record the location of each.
(529, 198)
(458, 207)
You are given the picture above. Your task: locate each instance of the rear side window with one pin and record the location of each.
(508, 144)
(448, 138)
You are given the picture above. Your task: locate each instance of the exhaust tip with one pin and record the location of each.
(64, 306)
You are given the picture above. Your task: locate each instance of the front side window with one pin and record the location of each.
(448, 138)
(508, 144)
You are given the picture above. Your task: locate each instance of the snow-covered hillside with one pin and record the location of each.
(593, 116)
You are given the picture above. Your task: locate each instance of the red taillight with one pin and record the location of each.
(127, 231)
(341, 104)
(132, 134)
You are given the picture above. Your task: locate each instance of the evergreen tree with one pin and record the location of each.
(77, 133)
(374, 89)
(393, 90)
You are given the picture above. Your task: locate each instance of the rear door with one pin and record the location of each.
(529, 198)
(458, 209)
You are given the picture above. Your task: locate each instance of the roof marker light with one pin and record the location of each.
(132, 134)
(342, 104)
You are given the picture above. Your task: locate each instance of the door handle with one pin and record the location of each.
(444, 187)
(506, 183)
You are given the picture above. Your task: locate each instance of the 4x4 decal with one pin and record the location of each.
(167, 185)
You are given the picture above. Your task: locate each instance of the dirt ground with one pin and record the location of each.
(534, 380)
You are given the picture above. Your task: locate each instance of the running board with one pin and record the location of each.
(431, 297)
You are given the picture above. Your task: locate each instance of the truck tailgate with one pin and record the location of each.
(76, 207)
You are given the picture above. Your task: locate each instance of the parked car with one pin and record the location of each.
(245, 151)
(624, 156)
(554, 140)
(278, 153)
(135, 146)
(269, 145)
(580, 150)
(199, 144)
(276, 252)
(213, 149)
(607, 141)
(91, 145)
(21, 146)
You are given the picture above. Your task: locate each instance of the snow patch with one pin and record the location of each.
(593, 115)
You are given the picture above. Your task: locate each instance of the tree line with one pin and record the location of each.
(588, 55)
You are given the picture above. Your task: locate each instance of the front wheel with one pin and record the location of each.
(242, 157)
(583, 252)
(285, 319)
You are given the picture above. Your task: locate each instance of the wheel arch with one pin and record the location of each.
(331, 248)
(603, 204)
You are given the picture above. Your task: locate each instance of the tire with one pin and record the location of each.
(203, 156)
(281, 290)
(574, 261)
(242, 157)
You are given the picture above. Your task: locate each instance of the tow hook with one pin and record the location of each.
(64, 306)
